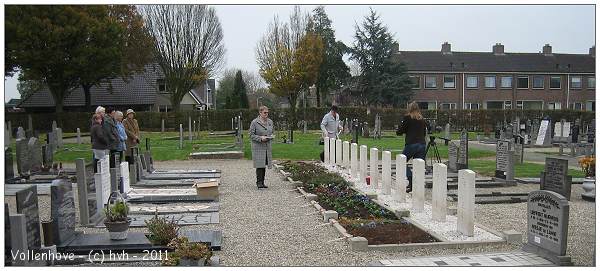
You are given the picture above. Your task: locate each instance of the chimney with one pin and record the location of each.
(593, 51)
(446, 48)
(547, 50)
(498, 49)
(395, 47)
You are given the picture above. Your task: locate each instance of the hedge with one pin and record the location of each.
(220, 120)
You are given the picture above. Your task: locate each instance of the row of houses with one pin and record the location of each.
(442, 80)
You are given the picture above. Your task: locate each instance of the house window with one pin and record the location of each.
(416, 81)
(506, 82)
(590, 106)
(554, 106)
(577, 106)
(576, 82)
(449, 81)
(423, 105)
(161, 85)
(523, 82)
(555, 82)
(591, 82)
(490, 82)
(472, 81)
(494, 104)
(472, 106)
(448, 106)
(519, 104)
(538, 105)
(538, 81)
(507, 104)
(430, 82)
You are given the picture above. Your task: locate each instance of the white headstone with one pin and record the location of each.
(102, 180)
(374, 168)
(162, 125)
(346, 154)
(353, 161)
(125, 175)
(338, 152)
(190, 128)
(566, 129)
(401, 181)
(180, 136)
(386, 172)
(78, 136)
(466, 202)
(332, 151)
(326, 150)
(440, 192)
(418, 187)
(363, 164)
(541, 136)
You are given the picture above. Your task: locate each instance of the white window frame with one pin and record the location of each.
(158, 85)
(590, 108)
(418, 80)
(560, 82)
(554, 105)
(435, 81)
(581, 106)
(543, 82)
(507, 104)
(485, 81)
(580, 82)
(453, 81)
(519, 105)
(523, 77)
(476, 81)
(450, 106)
(502, 82)
(471, 105)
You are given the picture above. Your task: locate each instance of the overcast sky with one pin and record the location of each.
(520, 28)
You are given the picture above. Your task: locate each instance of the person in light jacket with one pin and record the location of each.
(330, 125)
(122, 134)
(261, 134)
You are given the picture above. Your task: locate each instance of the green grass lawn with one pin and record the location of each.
(488, 167)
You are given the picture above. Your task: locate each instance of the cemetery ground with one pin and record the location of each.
(276, 227)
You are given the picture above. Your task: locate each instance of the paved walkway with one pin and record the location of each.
(515, 258)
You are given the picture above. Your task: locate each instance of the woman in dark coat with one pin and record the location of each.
(413, 125)
(261, 135)
(99, 141)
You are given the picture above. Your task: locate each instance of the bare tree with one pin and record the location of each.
(188, 44)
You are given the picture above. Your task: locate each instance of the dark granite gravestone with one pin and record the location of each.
(48, 156)
(555, 178)
(27, 204)
(35, 154)
(62, 210)
(547, 226)
(51, 141)
(505, 170)
(463, 153)
(9, 170)
(23, 161)
(452, 157)
(7, 240)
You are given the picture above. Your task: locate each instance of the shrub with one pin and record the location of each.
(161, 230)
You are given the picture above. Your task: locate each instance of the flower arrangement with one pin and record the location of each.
(588, 165)
(187, 254)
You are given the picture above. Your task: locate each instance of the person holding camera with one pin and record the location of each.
(413, 126)
(133, 134)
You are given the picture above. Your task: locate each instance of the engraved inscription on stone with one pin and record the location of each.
(555, 178)
(27, 204)
(62, 210)
(452, 156)
(502, 148)
(547, 221)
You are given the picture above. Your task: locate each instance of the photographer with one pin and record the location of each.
(413, 125)
(133, 134)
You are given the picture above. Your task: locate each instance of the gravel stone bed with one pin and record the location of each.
(270, 227)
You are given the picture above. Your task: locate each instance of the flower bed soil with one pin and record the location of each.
(389, 232)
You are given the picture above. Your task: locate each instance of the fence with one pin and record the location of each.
(220, 120)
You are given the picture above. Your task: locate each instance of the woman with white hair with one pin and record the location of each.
(122, 134)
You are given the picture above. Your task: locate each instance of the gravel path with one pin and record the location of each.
(270, 227)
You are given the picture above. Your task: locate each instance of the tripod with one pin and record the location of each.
(436, 153)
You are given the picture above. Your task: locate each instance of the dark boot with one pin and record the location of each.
(260, 176)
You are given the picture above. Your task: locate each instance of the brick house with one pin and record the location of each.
(500, 80)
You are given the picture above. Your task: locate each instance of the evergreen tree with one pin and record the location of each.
(239, 90)
(382, 81)
(333, 72)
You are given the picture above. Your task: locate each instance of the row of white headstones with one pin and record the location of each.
(345, 155)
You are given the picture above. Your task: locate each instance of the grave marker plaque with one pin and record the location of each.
(23, 161)
(547, 225)
(463, 153)
(27, 204)
(452, 157)
(35, 152)
(504, 161)
(62, 210)
(20, 132)
(543, 134)
(555, 178)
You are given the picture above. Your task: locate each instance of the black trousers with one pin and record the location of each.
(260, 172)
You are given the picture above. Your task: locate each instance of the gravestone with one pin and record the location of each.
(386, 173)
(48, 156)
(338, 152)
(326, 150)
(447, 131)
(374, 168)
(353, 161)
(355, 131)
(86, 193)
(346, 126)
(7, 233)
(362, 164)
(59, 138)
(51, 141)
(29, 123)
(181, 136)
(452, 157)
(78, 136)
(566, 129)
(102, 183)
(505, 170)
(519, 153)
(23, 160)
(508, 131)
(555, 178)
(20, 133)
(346, 154)
(9, 170)
(547, 226)
(543, 136)
(6, 136)
(54, 125)
(114, 179)
(125, 184)
(62, 211)
(35, 152)
(27, 204)
(401, 181)
(463, 153)
(162, 125)
(465, 222)
(418, 185)
(439, 192)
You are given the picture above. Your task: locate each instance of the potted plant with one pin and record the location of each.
(189, 254)
(117, 220)
(588, 165)
(162, 231)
